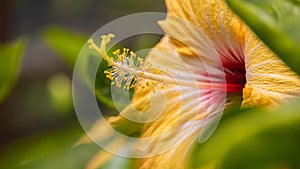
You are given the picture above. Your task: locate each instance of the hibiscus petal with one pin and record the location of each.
(269, 81)
(186, 109)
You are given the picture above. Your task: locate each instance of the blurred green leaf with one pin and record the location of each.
(276, 147)
(67, 43)
(51, 150)
(254, 139)
(10, 59)
(277, 23)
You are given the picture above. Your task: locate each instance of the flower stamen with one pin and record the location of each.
(127, 70)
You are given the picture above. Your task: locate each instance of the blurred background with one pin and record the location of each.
(38, 122)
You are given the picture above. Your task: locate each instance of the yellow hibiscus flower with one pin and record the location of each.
(207, 58)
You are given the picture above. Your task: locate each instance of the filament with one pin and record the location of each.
(127, 69)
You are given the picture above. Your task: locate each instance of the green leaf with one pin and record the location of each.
(50, 150)
(10, 59)
(276, 147)
(254, 139)
(66, 43)
(276, 22)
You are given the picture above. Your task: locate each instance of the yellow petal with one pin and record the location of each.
(180, 122)
(98, 132)
(214, 17)
(269, 81)
(104, 156)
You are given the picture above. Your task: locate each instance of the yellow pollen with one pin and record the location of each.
(127, 69)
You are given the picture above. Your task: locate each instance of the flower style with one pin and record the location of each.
(207, 58)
